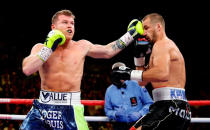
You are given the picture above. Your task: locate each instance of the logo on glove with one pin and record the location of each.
(142, 41)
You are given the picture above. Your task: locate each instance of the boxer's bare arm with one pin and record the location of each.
(32, 62)
(103, 51)
(108, 51)
(159, 69)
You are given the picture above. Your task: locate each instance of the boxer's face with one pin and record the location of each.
(66, 25)
(149, 30)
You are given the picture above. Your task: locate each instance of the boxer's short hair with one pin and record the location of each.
(62, 12)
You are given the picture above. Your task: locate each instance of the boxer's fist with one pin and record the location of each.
(125, 73)
(135, 28)
(54, 38)
(114, 78)
(142, 47)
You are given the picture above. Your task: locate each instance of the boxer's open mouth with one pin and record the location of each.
(69, 31)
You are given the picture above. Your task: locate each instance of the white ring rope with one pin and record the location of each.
(93, 118)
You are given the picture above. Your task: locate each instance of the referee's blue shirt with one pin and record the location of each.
(133, 98)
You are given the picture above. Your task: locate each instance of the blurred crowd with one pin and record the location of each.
(96, 79)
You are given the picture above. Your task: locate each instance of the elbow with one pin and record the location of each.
(26, 71)
(160, 76)
(163, 76)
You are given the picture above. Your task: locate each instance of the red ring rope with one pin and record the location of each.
(91, 102)
(30, 101)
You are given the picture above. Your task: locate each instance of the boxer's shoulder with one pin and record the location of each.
(39, 45)
(83, 42)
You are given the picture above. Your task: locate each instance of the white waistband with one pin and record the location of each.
(59, 98)
(168, 93)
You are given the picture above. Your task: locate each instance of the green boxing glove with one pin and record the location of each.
(54, 38)
(135, 28)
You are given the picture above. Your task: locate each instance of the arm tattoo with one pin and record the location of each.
(118, 45)
(114, 47)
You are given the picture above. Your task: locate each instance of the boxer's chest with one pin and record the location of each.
(72, 56)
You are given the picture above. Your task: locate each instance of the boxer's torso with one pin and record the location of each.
(177, 74)
(64, 69)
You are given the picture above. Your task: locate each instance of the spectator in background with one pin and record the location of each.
(126, 101)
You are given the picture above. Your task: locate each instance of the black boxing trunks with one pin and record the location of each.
(170, 111)
(56, 111)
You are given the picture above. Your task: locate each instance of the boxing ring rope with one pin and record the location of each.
(92, 103)
(92, 118)
(22, 117)
(30, 101)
